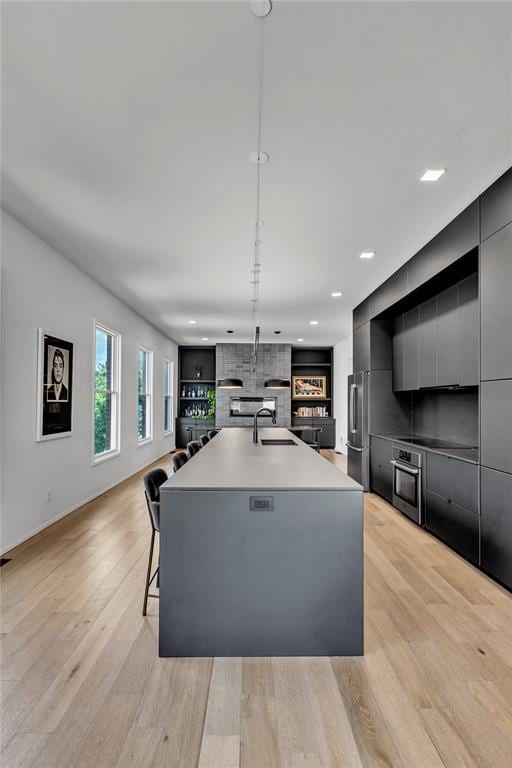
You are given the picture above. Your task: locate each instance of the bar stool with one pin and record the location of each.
(193, 447)
(152, 482)
(204, 440)
(212, 433)
(178, 460)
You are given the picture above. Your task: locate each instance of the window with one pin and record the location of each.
(168, 395)
(145, 385)
(106, 392)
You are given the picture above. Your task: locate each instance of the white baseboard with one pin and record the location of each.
(5, 549)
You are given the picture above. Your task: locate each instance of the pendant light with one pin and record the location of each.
(230, 383)
(277, 384)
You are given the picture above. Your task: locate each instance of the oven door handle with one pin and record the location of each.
(404, 468)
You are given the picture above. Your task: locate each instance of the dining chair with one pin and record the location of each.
(152, 482)
(193, 447)
(178, 460)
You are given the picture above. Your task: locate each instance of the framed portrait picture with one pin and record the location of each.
(54, 386)
(309, 387)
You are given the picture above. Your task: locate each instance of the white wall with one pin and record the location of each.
(40, 288)
(342, 369)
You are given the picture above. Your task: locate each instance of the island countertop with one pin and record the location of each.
(232, 461)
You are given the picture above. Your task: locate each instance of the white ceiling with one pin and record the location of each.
(127, 130)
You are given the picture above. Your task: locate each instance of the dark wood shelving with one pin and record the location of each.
(315, 361)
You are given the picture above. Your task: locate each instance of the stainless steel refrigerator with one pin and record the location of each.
(373, 409)
(357, 437)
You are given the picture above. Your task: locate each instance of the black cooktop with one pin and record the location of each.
(431, 442)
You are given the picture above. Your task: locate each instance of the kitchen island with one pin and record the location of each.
(261, 552)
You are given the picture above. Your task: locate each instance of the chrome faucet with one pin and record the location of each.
(258, 413)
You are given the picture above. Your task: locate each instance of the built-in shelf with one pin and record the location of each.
(197, 381)
(315, 362)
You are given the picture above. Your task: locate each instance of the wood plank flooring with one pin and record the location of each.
(83, 687)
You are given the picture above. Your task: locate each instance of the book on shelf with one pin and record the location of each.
(318, 411)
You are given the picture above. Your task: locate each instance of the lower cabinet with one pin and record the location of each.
(327, 437)
(182, 436)
(458, 527)
(381, 474)
(381, 481)
(496, 507)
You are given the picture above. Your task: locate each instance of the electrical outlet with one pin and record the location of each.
(48, 496)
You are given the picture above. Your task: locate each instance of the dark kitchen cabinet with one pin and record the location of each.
(361, 314)
(448, 337)
(457, 526)
(183, 437)
(454, 241)
(496, 424)
(469, 321)
(327, 437)
(381, 481)
(496, 522)
(454, 480)
(381, 475)
(361, 348)
(398, 355)
(496, 206)
(391, 291)
(496, 305)
(427, 343)
(411, 379)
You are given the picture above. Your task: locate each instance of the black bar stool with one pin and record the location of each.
(204, 440)
(212, 433)
(193, 447)
(178, 460)
(152, 482)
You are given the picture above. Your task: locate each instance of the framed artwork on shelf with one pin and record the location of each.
(309, 387)
(54, 386)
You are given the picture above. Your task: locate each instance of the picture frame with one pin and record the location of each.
(54, 396)
(309, 387)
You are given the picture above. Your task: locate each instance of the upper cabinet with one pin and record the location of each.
(448, 337)
(411, 373)
(436, 343)
(454, 241)
(496, 304)
(427, 343)
(468, 332)
(496, 206)
(394, 289)
(361, 314)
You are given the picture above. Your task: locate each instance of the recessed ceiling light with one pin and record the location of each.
(336, 294)
(192, 322)
(229, 331)
(433, 174)
(313, 322)
(277, 332)
(204, 338)
(367, 255)
(300, 339)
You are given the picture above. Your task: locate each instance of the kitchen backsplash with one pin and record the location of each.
(235, 360)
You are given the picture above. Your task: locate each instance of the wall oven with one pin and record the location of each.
(407, 483)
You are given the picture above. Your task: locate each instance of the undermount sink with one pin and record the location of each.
(278, 442)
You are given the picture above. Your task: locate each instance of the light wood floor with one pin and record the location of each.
(83, 685)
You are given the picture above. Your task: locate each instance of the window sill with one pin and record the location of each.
(168, 432)
(106, 457)
(145, 441)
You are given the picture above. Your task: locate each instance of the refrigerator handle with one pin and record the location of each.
(353, 396)
(353, 447)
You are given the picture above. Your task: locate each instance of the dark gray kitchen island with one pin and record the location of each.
(261, 552)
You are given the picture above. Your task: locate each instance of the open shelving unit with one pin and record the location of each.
(193, 389)
(316, 412)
